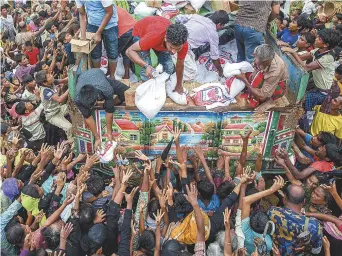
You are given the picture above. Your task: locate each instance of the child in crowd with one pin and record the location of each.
(289, 35)
(31, 93)
(30, 118)
(53, 103)
(32, 53)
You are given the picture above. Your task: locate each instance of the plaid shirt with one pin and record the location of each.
(254, 14)
(199, 249)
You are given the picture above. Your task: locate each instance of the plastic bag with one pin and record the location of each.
(211, 95)
(197, 4)
(237, 68)
(175, 96)
(150, 96)
(190, 66)
(143, 10)
(234, 86)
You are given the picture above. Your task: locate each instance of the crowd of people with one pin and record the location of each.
(53, 202)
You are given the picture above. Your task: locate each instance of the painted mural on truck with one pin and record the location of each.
(210, 130)
(235, 124)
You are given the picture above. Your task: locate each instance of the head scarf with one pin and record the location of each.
(31, 205)
(10, 188)
(333, 93)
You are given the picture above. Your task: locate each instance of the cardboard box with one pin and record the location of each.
(84, 46)
(228, 6)
(154, 3)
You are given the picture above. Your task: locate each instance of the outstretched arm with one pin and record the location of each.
(247, 201)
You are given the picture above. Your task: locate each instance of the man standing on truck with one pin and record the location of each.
(93, 85)
(103, 21)
(165, 38)
(250, 26)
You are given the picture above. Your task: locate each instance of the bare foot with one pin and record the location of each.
(265, 106)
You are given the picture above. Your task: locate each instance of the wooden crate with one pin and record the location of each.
(154, 3)
(83, 46)
(228, 6)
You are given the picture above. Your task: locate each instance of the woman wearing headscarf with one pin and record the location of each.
(10, 190)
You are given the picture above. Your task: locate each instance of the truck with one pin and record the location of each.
(219, 129)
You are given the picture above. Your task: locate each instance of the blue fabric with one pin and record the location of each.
(212, 206)
(247, 39)
(48, 93)
(250, 235)
(6, 247)
(46, 186)
(307, 140)
(313, 98)
(288, 225)
(286, 37)
(164, 58)
(96, 12)
(71, 58)
(110, 41)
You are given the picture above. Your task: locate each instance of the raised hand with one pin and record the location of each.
(162, 198)
(280, 161)
(226, 216)
(192, 194)
(99, 217)
(176, 133)
(331, 189)
(65, 231)
(126, 176)
(69, 200)
(169, 192)
(140, 155)
(129, 197)
(246, 136)
(278, 184)
(58, 152)
(180, 165)
(67, 160)
(39, 216)
(80, 189)
(91, 160)
(159, 216)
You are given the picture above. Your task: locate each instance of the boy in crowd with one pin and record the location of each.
(321, 66)
(51, 101)
(31, 93)
(31, 52)
(30, 118)
(24, 68)
(65, 38)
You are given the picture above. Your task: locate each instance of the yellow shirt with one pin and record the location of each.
(339, 85)
(326, 123)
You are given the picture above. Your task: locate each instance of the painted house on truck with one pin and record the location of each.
(126, 131)
(231, 134)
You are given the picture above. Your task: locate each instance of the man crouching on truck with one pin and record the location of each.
(268, 82)
(165, 38)
(93, 85)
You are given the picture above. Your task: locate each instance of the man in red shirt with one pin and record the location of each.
(125, 25)
(164, 38)
(32, 53)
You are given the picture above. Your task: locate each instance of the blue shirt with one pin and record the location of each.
(250, 235)
(6, 247)
(288, 226)
(307, 139)
(96, 12)
(212, 206)
(286, 37)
